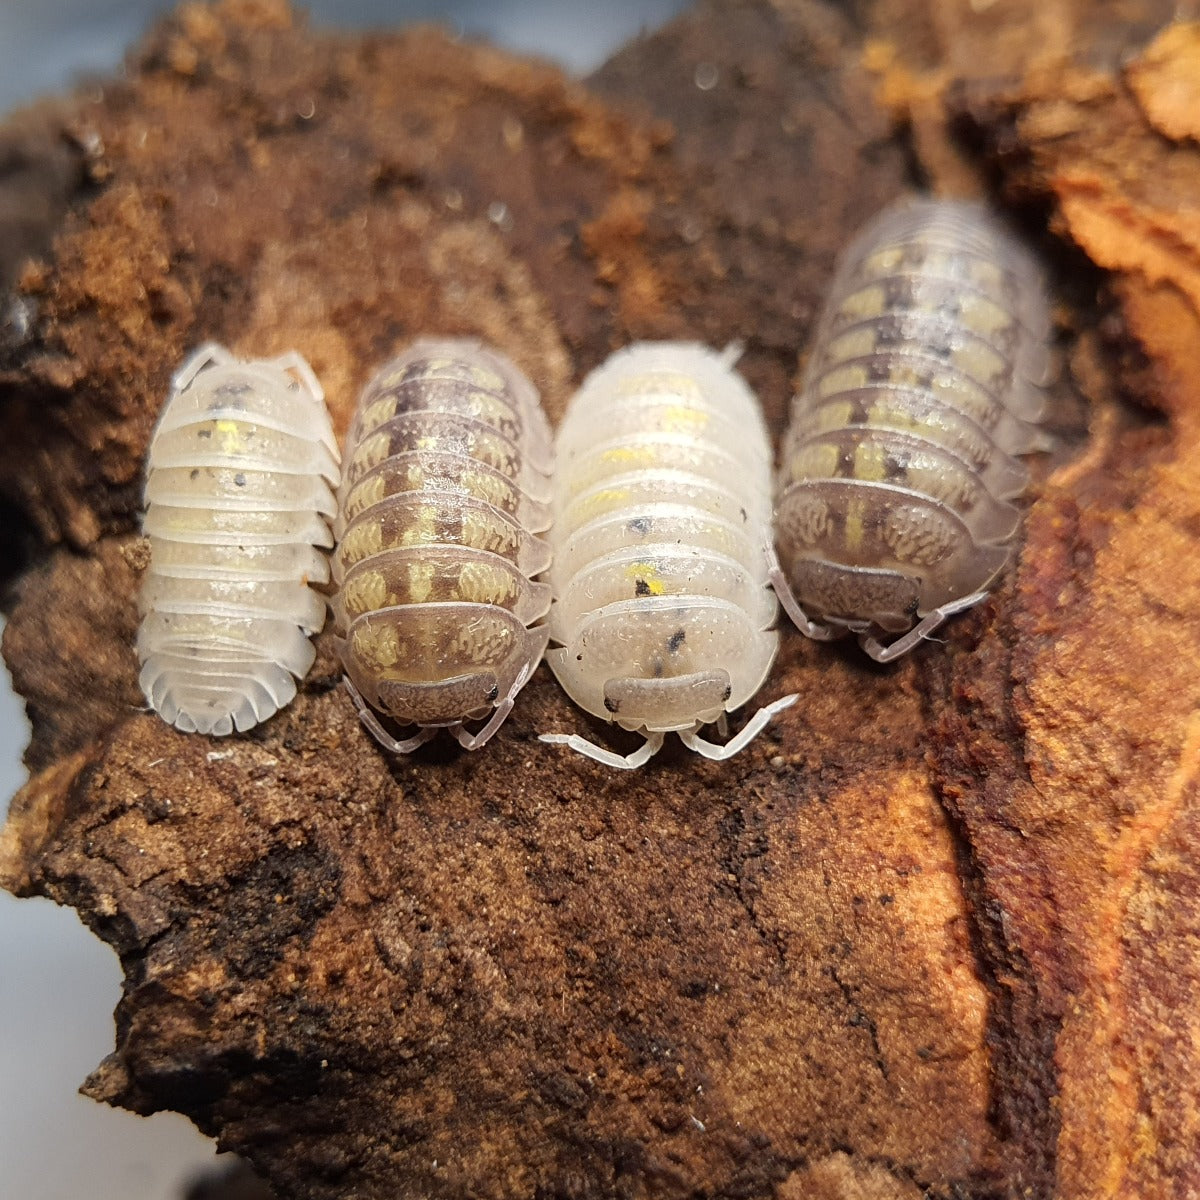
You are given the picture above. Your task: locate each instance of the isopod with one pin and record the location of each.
(899, 465)
(446, 486)
(239, 489)
(662, 613)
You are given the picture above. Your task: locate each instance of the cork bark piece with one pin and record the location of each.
(1072, 771)
(927, 936)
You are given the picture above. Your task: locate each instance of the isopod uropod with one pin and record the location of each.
(241, 469)
(923, 384)
(662, 613)
(446, 485)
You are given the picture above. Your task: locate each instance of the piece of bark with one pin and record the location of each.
(1072, 769)
(41, 167)
(234, 1181)
(516, 973)
(923, 53)
(1083, 833)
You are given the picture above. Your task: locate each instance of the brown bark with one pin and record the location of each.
(933, 934)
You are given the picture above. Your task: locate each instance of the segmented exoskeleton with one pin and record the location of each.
(241, 469)
(662, 613)
(923, 384)
(446, 484)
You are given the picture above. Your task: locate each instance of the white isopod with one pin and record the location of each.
(239, 488)
(662, 613)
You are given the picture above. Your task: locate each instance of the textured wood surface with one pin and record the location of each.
(933, 934)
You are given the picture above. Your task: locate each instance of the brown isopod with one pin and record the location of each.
(925, 382)
(446, 486)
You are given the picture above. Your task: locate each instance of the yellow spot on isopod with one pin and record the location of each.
(361, 541)
(480, 583)
(983, 317)
(978, 361)
(842, 379)
(633, 456)
(646, 578)
(232, 435)
(988, 274)
(370, 453)
(887, 413)
(833, 416)
(365, 494)
(867, 302)
(486, 379)
(377, 645)
(678, 419)
(965, 398)
(855, 526)
(817, 460)
(420, 581)
(423, 530)
(485, 532)
(603, 501)
(366, 593)
(884, 261)
(485, 407)
(904, 375)
(870, 461)
(491, 488)
(858, 343)
(377, 413)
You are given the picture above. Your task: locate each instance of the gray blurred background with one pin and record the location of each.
(59, 984)
(44, 44)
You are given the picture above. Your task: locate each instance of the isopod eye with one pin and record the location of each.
(494, 694)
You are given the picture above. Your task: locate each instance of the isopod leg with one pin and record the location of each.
(630, 762)
(732, 352)
(753, 728)
(294, 361)
(783, 590)
(210, 352)
(472, 741)
(881, 653)
(377, 731)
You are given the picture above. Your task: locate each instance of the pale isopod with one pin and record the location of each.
(662, 611)
(923, 384)
(239, 489)
(445, 488)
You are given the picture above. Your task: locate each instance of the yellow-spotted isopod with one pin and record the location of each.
(923, 385)
(446, 486)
